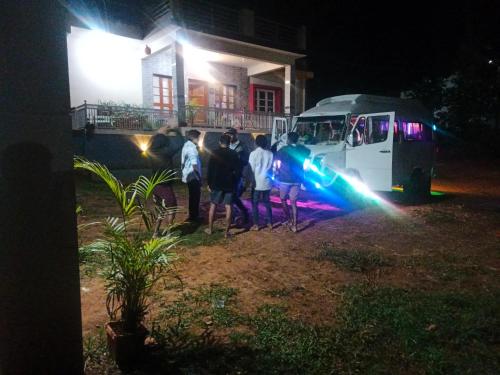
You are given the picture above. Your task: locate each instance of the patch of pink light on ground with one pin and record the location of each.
(310, 204)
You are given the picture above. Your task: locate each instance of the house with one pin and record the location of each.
(189, 62)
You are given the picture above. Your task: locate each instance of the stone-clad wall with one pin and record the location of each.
(230, 75)
(157, 63)
(161, 63)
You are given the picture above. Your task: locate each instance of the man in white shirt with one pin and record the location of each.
(191, 173)
(261, 163)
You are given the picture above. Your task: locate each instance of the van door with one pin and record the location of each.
(278, 134)
(369, 149)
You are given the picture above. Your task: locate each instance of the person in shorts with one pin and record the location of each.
(291, 175)
(223, 172)
(242, 153)
(163, 147)
(261, 163)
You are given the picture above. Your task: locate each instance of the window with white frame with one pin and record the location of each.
(264, 100)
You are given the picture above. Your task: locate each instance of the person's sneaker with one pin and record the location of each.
(270, 227)
(254, 228)
(293, 228)
(208, 231)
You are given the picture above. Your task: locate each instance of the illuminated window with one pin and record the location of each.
(376, 129)
(162, 92)
(415, 131)
(225, 96)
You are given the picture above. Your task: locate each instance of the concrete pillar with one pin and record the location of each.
(290, 89)
(179, 82)
(40, 317)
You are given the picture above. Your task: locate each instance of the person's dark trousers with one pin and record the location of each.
(194, 188)
(263, 196)
(237, 200)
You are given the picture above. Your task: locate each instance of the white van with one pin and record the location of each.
(381, 141)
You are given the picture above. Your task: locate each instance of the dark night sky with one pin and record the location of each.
(382, 47)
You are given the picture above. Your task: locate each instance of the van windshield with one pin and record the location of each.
(320, 130)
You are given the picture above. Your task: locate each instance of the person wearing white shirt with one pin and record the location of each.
(191, 173)
(261, 163)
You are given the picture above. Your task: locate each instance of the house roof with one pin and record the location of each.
(361, 104)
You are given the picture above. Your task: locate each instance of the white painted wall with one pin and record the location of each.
(104, 67)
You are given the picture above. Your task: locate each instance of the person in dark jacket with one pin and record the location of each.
(291, 175)
(223, 172)
(242, 152)
(161, 151)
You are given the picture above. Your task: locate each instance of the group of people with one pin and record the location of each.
(230, 170)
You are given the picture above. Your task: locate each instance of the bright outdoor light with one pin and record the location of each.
(307, 163)
(198, 61)
(201, 139)
(105, 58)
(142, 142)
(434, 127)
(143, 146)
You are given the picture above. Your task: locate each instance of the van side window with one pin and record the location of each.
(397, 131)
(416, 131)
(376, 129)
(359, 131)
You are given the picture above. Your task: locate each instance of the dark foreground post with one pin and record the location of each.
(40, 321)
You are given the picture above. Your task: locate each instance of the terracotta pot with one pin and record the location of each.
(125, 347)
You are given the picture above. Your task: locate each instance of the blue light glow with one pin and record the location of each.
(434, 127)
(315, 169)
(317, 185)
(307, 163)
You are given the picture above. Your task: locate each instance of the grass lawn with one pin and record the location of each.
(386, 289)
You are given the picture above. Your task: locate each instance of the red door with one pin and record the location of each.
(198, 100)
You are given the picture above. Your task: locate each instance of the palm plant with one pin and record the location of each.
(137, 259)
(135, 265)
(131, 199)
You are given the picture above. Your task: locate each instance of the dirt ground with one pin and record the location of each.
(451, 242)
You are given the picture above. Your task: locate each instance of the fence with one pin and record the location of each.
(103, 116)
(224, 118)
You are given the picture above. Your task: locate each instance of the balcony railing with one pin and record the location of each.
(109, 117)
(219, 118)
(103, 116)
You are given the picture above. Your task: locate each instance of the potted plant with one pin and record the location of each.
(136, 259)
(135, 264)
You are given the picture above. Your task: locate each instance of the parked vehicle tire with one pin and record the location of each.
(418, 187)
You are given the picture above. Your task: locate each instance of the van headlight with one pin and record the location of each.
(316, 164)
(307, 164)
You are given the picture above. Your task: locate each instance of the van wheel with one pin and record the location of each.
(418, 188)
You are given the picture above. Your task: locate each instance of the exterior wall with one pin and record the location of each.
(119, 151)
(157, 63)
(104, 67)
